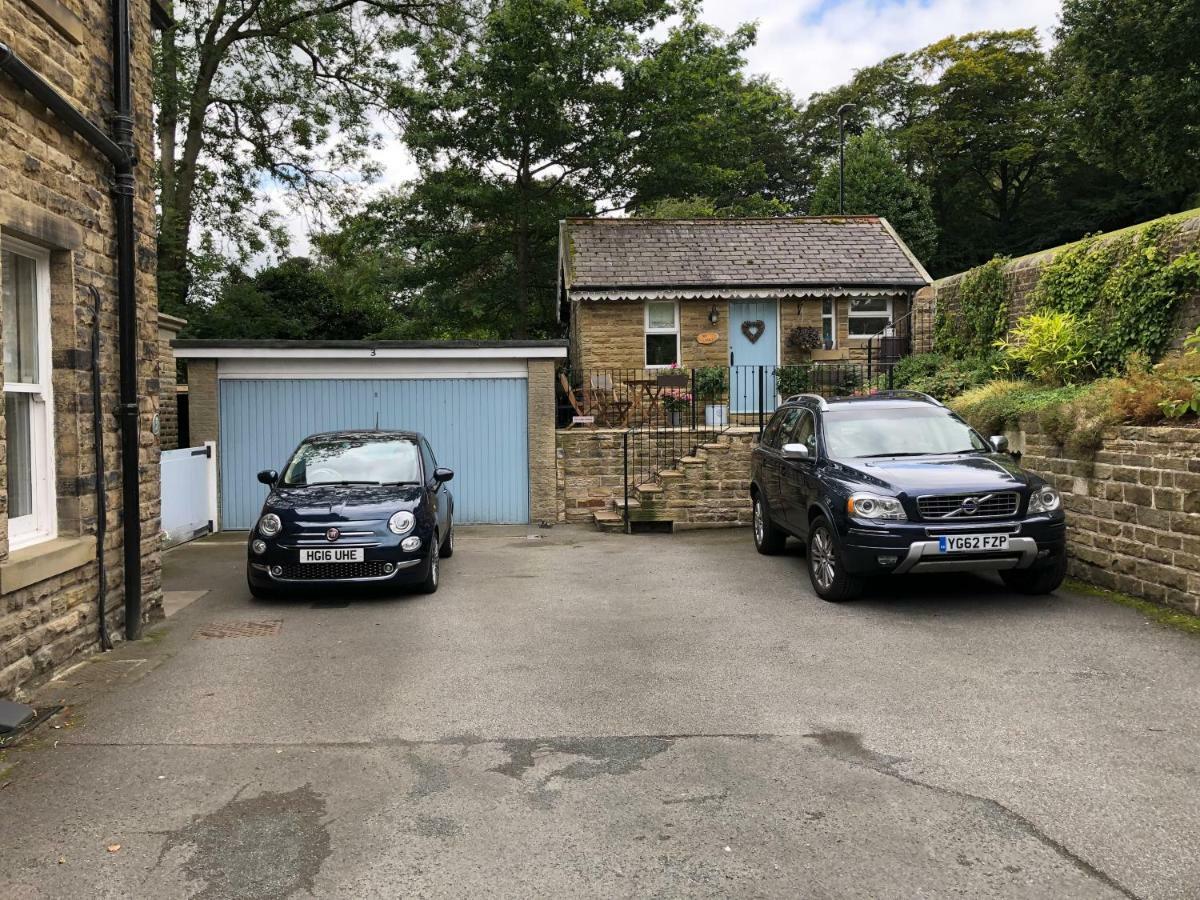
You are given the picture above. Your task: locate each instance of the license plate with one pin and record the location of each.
(973, 543)
(332, 555)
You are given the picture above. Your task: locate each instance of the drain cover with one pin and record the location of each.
(260, 628)
(40, 715)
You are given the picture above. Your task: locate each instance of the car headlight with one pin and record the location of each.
(269, 525)
(874, 506)
(1044, 499)
(402, 522)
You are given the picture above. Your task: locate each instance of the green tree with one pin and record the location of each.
(1131, 70)
(297, 299)
(877, 185)
(262, 96)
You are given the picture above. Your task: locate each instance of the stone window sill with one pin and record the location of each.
(29, 565)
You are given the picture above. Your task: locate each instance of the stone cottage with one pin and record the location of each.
(77, 269)
(651, 294)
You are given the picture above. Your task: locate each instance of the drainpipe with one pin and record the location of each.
(119, 150)
(101, 476)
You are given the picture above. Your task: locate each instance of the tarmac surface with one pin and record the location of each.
(578, 714)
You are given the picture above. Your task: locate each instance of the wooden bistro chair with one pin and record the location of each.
(580, 410)
(612, 409)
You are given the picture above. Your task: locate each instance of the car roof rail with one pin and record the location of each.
(901, 394)
(820, 400)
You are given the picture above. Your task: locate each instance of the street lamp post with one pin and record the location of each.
(842, 111)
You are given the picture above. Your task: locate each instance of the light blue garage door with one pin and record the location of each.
(476, 426)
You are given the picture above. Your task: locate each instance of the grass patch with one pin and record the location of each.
(1163, 615)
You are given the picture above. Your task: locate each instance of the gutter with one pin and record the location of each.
(120, 152)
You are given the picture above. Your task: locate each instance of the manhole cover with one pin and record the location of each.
(260, 628)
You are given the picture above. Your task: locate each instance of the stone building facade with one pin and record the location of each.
(168, 382)
(648, 294)
(59, 268)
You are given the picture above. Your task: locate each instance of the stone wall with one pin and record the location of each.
(55, 192)
(168, 400)
(1133, 511)
(543, 471)
(1022, 275)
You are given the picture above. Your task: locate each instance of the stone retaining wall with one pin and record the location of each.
(1022, 274)
(1133, 511)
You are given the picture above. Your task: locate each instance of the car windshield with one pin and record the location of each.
(901, 431)
(354, 461)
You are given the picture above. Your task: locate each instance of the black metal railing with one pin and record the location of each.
(899, 339)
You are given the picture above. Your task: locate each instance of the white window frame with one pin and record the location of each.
(832, 317)
(647, 330)
(42, 523)
(868, 314)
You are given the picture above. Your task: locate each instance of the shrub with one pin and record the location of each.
(940, 376)
(1001, 404)
(710, 382)
(1049, 346)
(793, 380)
(980, 315)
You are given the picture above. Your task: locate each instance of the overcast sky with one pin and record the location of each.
(813, 45)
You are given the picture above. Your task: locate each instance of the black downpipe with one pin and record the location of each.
(101, 475)
(120, 152)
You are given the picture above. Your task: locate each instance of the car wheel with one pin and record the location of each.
(430, 584)
(825, 567)
(768, 539)
(447, 549)
(1044, 579)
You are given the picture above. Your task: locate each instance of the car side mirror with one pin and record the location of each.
(268, 477)
(442, 474)
(795, 451)
(999, 443)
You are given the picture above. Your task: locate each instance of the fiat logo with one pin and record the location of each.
(970, 506)
(332, 534)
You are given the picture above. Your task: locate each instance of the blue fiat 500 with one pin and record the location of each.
(353, 507)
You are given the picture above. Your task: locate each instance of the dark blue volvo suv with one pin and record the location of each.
(353, 507)
(893, 483)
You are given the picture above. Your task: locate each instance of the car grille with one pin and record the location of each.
(332, 571)
(950, 506)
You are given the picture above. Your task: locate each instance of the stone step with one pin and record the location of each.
(692, 461)
(619, 504)
(610, 522)
(650, 490)
(669, 474)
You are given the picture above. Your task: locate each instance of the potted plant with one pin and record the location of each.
(804, 339)
(710, 384)
(677, 402)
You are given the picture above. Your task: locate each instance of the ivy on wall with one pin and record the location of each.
(970, 327)
(1123, 292)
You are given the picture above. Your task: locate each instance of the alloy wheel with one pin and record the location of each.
(822, 559)
(760, 525)
(435, 563)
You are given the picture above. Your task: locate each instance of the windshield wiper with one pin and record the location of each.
(397, 483)
(902, 453)
(328, 483)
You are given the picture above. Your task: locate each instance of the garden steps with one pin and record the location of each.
(608, 521)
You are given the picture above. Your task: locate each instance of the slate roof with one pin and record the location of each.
(611, 254)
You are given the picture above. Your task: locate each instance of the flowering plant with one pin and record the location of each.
(676, 399)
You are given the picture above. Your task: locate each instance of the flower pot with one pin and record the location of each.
(716, 414)
(674, 417)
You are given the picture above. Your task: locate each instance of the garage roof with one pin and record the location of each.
(217, 349)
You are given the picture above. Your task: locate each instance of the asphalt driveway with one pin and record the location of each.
(601, 715)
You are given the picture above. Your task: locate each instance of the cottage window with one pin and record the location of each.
(869, 316)
(25, 278)
(828, 323)
(662, 333)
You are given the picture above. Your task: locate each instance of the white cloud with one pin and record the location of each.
(813, 45)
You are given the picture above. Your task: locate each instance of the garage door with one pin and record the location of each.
(477, 427)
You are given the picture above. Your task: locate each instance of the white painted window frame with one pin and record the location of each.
(832, 317)
(42, 523)
(869, 314)
(647, 330)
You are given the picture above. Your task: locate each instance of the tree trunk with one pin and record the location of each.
(171, 261)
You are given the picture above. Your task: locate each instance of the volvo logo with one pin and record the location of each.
(332, 534)
(970, 506)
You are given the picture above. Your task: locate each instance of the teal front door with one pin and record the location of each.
(753, 354)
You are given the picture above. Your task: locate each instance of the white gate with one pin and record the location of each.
(189, 493)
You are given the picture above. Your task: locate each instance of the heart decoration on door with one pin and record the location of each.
(754, 330)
